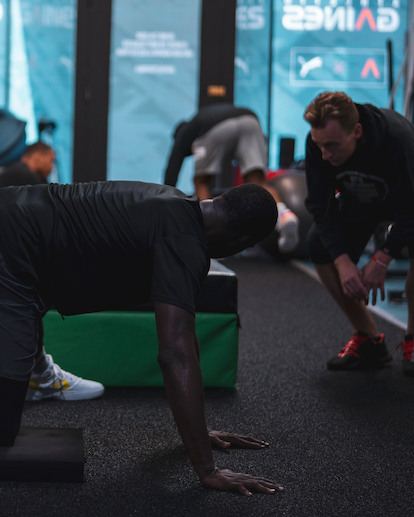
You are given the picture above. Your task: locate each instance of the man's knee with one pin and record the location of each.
(256, 176)
(203, 179)
(8, 433)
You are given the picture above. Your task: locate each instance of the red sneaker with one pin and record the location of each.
(407, 360)
(361, 352)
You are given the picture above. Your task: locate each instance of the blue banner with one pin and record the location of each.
(252, 59)
(153, 85)
(49, 37)
(3, 52)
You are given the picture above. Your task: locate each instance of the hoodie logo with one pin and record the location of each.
(368, 189)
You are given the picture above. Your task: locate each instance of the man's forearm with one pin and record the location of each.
(343, 261)
(180, 365)
(184, 388)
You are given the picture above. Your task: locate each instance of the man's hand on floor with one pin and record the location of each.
(224, 440)
(243, 483)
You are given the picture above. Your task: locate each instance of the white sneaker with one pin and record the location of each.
(288, 228)
(58, 384)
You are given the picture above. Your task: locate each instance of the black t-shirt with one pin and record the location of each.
(18, 173)
(89, 247)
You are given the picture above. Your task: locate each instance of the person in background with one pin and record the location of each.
(48, 380)
(32, 168)
(221, 132)
(360, 172)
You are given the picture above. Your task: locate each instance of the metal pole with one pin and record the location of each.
(269, 103)
(390, 74)
(8, 50)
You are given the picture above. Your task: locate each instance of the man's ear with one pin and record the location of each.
(358, 130)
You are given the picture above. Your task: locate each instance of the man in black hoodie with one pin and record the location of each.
(360, 172)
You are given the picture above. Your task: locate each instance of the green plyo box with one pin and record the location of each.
(120, 348)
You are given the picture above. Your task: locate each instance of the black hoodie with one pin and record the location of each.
(377, 180)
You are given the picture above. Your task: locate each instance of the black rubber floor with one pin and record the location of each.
(341, 443)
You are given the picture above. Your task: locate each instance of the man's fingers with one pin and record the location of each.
(218, 442)
(374, 296)
(247, 442)
(241, 488)
(258, 485)
(264, 483)
(254, 441)
(243, 483)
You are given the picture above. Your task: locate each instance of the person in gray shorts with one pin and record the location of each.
(222, 132)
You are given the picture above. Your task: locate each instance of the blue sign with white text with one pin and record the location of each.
(153, 85)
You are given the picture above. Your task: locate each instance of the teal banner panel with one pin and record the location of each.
(252, 59)
(153, 85)
(37, 55)
(49, 29)
(336, 45)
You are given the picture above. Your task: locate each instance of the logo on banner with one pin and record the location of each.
(370, 67)
(337, 67)
(314, 17)
(307, 66)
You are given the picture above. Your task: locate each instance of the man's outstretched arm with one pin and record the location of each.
(178, 359)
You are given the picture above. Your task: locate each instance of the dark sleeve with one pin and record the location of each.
(402, 230)
(18, 176)
(183, 139)
(180, 266)
(321, 202)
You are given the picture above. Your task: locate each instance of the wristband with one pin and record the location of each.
(383, 264)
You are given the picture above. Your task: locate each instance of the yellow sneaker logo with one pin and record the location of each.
(62, 385)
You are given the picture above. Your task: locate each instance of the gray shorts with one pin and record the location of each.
(21, 309)
(238, 138)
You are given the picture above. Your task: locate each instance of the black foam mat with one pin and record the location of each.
(44, 454)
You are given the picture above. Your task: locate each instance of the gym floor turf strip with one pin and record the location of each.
(341, 442)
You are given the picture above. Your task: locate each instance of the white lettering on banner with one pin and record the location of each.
(315, 18)
(250, 18)
(154, 44)
(48, 15)
(388, 19)
(155, 69)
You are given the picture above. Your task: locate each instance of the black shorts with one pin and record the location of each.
(357, 229)
(21, 310)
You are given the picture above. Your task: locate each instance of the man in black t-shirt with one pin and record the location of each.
(97, 246)
(360, 172)
(48, 380)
